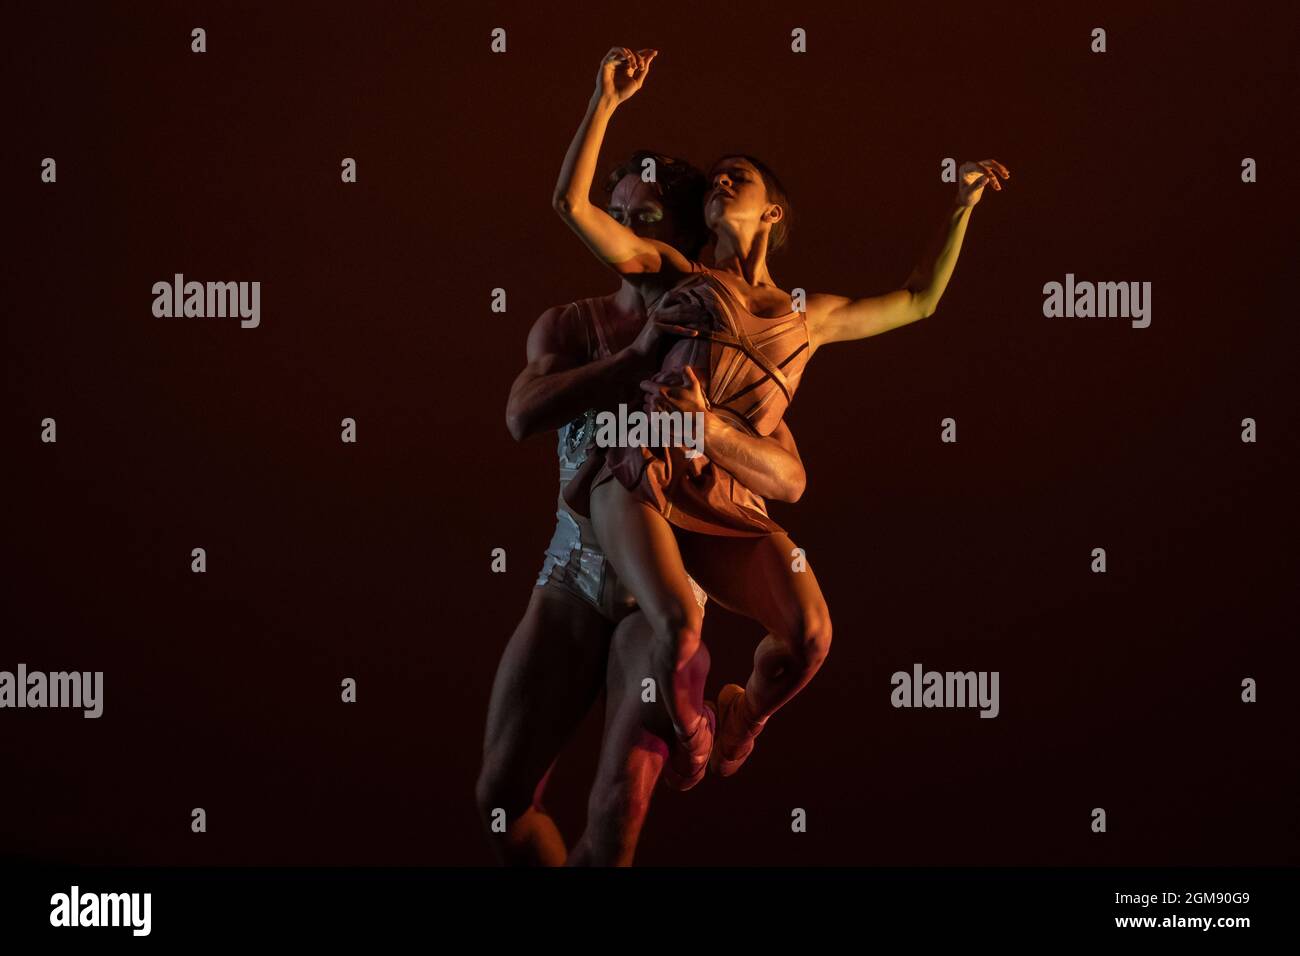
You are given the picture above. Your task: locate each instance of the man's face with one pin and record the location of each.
(637, 205)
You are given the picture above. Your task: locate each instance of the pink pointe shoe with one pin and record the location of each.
(688, 757)
(736, 732)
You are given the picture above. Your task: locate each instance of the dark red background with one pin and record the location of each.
(372, 560)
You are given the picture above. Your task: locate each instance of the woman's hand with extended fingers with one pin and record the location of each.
(973, 177)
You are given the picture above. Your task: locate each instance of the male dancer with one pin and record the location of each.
(581, 627)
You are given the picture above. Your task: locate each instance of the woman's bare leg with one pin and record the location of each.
(550, 674)
(755, 577)
(640, 544)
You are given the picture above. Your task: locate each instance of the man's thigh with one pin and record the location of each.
(550, 674)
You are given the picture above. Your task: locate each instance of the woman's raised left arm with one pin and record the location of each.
(837, 318)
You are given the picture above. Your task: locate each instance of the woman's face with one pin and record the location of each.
(737, 198)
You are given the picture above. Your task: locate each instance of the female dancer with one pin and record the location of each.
(581, 630)
(743, 351)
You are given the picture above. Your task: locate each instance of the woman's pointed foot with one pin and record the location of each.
(736, 732)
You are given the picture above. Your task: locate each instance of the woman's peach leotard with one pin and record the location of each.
(749, 368)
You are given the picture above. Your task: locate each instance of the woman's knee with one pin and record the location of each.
(809, 638)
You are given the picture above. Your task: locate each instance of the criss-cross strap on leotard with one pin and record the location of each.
(754, 363)
(749, 368)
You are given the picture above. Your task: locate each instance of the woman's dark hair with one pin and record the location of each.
(681, 188)
(775, 194)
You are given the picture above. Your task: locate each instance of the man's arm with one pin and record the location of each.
(559, 383)
(837, 318)
(769, 466)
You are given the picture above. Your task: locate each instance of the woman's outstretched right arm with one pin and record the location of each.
(621, 74)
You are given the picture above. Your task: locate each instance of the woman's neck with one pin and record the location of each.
(745, 257)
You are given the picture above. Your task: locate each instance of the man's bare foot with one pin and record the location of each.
(688, 757)
(736, 732)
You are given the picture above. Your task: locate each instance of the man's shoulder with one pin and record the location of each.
(559, 329)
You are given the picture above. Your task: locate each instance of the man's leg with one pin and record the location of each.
(551, 673)
(633, 749)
